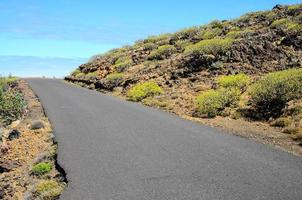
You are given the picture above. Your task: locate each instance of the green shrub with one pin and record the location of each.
(235, 34)
(213, 46)
(76, 72)
(80, 75)
(157, 38)
(294, 7)
(270, 94)
(210, 33)
(149, 46)
(281, 122)
(92, 74)
(162, 52)
(122, 63)
(143, 90)
(41, 168)
(239, 81)
(212, 102)
(286, 24)
(182, 44)
(186, 34)
(114, 76)
(48, 190)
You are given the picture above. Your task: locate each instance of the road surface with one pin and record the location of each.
(117, 150)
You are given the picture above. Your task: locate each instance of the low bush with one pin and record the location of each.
(212, 102)
(185, 34)
(182, 44)
(213, 46)
(48, 190)
(149, 46)
(143, 90)
(270, 94)
(122, 63)
(210, 33)
(76, 72)
(80, 75)
(239, 81)
(286, 24)
(162, 52)
(41, 169)
(281, 122)
(157, 38)
(235, 34)
(114, 76)
(295, 7)
(92, 74)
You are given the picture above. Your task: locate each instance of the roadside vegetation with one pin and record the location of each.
(11, 101)
(26, 137)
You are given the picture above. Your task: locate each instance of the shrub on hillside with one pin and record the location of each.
(92, 75)
(235, 34)
(162, 52)
(269, 95)
(76, 72)
(213, 46)
(149, 46)
(114, 76)
(286, 24)
(182, 44)
(239, 81)
(212, 102)
(157, 39)
(185, 34)
(210, 33)
(295, 7)
(122, 63)
(143, 90)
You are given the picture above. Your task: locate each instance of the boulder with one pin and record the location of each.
(13, 134)
(36, 124)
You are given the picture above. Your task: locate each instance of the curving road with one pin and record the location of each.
(117, 150)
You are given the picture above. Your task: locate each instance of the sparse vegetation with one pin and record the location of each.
(143, 90)
(41, 168)
(162, 52)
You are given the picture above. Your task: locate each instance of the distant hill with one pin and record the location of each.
(212, 69)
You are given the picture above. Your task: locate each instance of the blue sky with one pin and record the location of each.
(52, 37)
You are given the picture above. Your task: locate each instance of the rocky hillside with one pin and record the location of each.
(211, 70)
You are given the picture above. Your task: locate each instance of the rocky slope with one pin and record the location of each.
(189, 62)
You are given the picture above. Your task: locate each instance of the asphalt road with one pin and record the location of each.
(117, 150)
